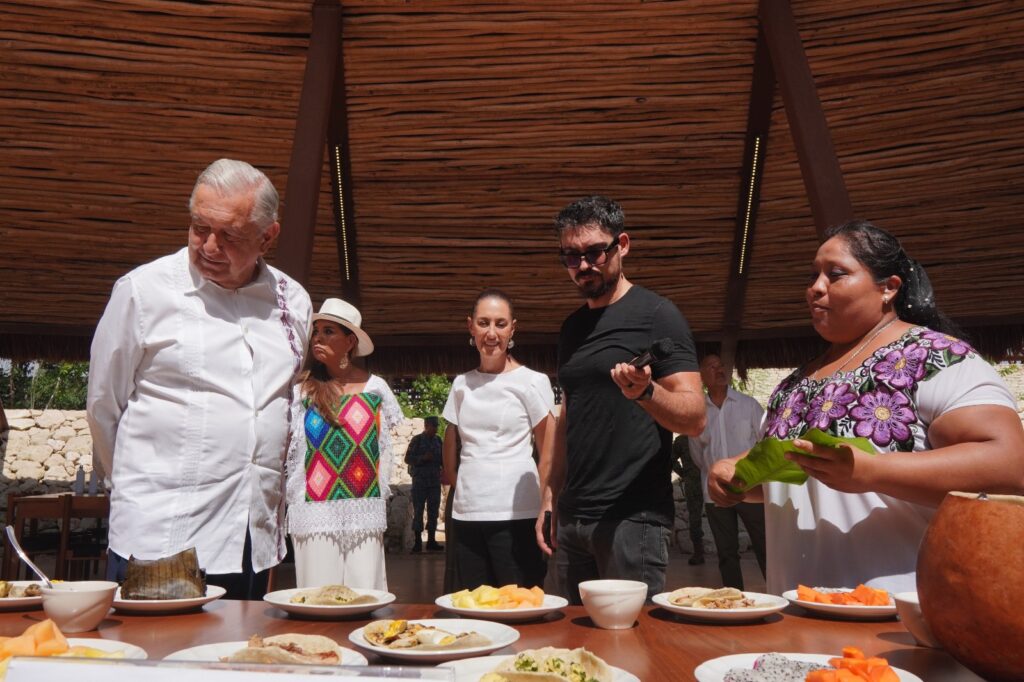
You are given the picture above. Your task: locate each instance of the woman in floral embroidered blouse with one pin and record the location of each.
(898, 374)
(339, 457)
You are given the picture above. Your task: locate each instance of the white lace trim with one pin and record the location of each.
(361, 518)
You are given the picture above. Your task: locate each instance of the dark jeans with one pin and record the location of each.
(630, 550)
(245, 585)
(724, 522)
(429, 497)
(497, 553)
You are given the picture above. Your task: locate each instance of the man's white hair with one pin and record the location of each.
(229, 176)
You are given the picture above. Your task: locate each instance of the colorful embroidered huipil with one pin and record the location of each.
(342, 461)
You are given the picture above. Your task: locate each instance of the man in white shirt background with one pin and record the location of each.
(190, 380)
(733, 424)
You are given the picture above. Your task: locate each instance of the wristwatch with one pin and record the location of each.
(647, 394)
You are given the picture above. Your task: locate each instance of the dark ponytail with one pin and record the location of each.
(882, 254)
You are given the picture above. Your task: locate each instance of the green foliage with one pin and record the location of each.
(44, 385)
(425, 396)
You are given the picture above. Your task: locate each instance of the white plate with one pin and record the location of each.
(214, 652)
(766, 604)
(213, 592)
(130, 650)
(472, 669)
(715, 669)
(21, 603)
(551, 603)
(281, 599)
(849, 612)
(500, 635)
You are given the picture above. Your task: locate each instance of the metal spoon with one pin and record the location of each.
(24, 557)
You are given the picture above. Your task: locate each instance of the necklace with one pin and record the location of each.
(862, 346)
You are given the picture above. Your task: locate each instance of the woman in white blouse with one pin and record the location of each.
(499, 411)
(339, 457)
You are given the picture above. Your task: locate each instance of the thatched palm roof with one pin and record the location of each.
(471, 124)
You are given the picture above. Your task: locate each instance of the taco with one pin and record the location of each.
(331, 595)
(290, 648)
(551, 664)
(402, 634)
(685, 596)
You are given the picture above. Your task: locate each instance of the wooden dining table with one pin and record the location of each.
(661, 647)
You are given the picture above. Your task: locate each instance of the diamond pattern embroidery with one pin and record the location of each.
(344, 463)
(320, 479)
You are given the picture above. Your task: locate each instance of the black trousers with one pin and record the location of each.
(724, 522)
(497, 553)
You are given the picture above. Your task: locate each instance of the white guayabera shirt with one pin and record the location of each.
(189, 391)
(729, 430)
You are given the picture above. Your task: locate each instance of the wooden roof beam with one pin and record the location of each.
(759, 120)
(343, 200)
(823, 179)
(295, 252)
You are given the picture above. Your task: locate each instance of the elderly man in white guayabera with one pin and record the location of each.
(189, 387)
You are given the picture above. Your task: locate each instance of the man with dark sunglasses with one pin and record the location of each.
(608, 483)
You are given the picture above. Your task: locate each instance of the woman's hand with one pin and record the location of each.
(722, 477)
(843, 468)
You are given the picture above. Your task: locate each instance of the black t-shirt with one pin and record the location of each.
(619, 460)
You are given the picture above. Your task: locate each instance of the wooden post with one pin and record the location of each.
(759, 120)
(3, 416)
(295, 248)
(341, 185)
(823, 179)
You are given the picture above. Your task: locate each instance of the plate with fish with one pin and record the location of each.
(288, 648)
(433, 640)
(20, 595)
(720, 605)
(774, 666)
(329, 601)
(569, 664)
(166, 606)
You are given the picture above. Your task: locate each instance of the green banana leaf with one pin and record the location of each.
(766, 461)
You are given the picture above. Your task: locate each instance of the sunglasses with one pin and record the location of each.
(595, 256)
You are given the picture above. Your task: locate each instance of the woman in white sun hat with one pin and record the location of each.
(339, 457)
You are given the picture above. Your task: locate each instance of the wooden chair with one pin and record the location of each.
(28, 511)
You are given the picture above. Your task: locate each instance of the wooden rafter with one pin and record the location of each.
(295, 250)
(823, 179)
(343, 199)
(759, 120)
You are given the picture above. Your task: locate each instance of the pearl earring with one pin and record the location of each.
(471, 342)
(511, 344)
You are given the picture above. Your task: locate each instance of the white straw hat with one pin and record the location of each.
(348, 316)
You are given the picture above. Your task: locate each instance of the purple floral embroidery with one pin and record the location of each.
(902, 368)
(789, 415)
(830, 404)
(942, 341)
(883, 415)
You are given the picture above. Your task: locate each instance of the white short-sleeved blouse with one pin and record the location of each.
(496, 415)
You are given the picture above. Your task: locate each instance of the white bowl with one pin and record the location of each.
(78, 606)
(613, 604)
(909, 609)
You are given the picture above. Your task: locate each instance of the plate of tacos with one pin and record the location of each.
(433, 640)
(18, 595)
(329, 601)
(722, 605)
(549, 664)
(287, 648)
